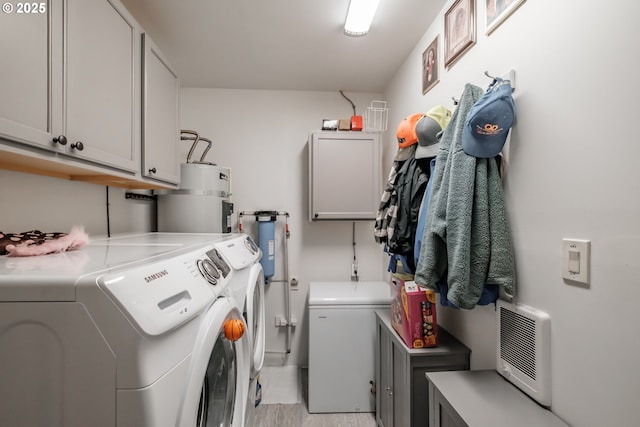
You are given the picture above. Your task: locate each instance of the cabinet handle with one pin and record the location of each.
(152, 170)
(62, 140)
(77, 146)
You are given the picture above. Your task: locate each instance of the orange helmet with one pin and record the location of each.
(406, 133)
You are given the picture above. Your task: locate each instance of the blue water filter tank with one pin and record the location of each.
(266, 242)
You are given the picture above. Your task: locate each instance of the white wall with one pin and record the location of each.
(573, 172)
(262, 136)
(31, 202)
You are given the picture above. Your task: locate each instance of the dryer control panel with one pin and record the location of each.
(240, 252)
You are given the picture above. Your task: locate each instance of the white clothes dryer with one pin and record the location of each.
(248, 288)
(113, 334)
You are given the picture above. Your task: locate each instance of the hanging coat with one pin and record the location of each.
(410, 186)
(466, 240)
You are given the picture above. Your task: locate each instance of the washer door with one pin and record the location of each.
(214, 394)
(256, 317)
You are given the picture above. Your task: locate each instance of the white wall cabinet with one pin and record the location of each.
(72, 99)
(160, 117)
(344, 175)
(31, 75)
(101, 82)
(79, 101)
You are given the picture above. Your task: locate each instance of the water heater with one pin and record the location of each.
(201, 204)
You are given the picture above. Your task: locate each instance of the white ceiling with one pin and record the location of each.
(282, 44)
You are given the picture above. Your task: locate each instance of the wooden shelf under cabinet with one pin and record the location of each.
(64, 169)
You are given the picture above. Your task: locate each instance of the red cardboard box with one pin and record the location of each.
(356, 122)
(413, 314)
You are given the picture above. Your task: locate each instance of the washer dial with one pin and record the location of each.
(208, 271)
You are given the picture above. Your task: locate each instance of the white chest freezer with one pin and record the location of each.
(342, 344)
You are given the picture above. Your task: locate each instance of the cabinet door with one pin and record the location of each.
(401, 386)
(384, 388)
(102, 75)
(443, 414)
(344, 179)
(160, 128)
(31, 72)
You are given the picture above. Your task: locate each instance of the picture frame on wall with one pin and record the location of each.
(459, 30)
(430, 66)
(497, 11)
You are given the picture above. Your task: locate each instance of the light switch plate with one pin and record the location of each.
(576, 260)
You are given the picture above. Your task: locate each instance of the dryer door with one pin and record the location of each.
(256, 317)
(215, 391)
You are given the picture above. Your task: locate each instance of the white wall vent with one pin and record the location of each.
(524, 356)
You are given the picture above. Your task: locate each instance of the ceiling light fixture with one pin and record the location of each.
(359, 17)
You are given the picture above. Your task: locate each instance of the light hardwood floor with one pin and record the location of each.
(296, 415)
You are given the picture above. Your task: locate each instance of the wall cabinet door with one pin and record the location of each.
(31, 73)
(101, 82)
(344, 182)
(160, 119)
(81, 100)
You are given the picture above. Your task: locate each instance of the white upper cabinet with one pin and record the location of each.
(344, 175)
(31, 73)
(160, 119)
(101, 82)
(71, 91)
(70, 80)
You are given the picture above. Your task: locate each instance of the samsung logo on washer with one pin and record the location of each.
(156, 276)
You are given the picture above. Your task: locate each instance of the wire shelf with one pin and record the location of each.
(376, 117)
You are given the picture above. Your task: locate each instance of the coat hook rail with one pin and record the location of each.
(486, 73)
(509, 75)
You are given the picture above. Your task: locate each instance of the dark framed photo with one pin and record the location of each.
(459, 30)
(430, 66)
(497, 11)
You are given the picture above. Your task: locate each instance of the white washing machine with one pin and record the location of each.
(248, 288)
(127, 331)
